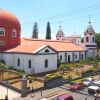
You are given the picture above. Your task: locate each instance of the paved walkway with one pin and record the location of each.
(11, 94)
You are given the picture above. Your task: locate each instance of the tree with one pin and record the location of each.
(2, 66)
(97, 39)
(82, 40)
(35, 31)
(61, 68)
(48, 31)
(58, 63)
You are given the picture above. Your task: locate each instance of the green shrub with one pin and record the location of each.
(16, 70)
(2, 66)
(82, 79)
(89, 70)
(49, 76)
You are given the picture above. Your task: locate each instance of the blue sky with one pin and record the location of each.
(73, 15)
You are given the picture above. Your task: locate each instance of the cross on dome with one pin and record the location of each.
(89, 20)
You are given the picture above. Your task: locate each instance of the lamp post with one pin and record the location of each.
(7, 88)
(7, 85)
(6, 98)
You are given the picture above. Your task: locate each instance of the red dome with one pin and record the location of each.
(9, 22)
(6, 18)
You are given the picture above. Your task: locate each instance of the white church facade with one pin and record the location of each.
(37, 55)
(42, 58)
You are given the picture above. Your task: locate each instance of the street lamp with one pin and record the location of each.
(6, 98)
(7, 85)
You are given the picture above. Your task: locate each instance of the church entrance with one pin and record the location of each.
(68, 58)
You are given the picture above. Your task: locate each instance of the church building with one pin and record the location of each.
(35, 55)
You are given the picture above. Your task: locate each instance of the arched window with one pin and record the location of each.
(46, 50)
(60, 57)
(18, 62)
(87, 39)
(2, 32)
(87, 30)
(46, 63)
(29, 64)
(92, 39)
(82, 56)
(14, 34)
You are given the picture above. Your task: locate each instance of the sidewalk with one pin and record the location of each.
(11, 94)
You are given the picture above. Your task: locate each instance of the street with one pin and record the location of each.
(52, 93)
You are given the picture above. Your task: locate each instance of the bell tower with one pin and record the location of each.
(60, 34)
(89, 40)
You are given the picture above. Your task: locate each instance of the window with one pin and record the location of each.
(14, 33)
(65, 57)
(69, 98)
(18, 62)
(60, 57)
(87, 30)
(75, 56)
(87, 39)
(82, 56)
(2, 32)
(46, 63)
(46, 50)
(92, 39)
(29, 64)
(2, 43)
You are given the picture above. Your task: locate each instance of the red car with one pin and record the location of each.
(65, 97)
(76, 86)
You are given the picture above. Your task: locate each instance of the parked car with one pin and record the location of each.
(76, 86)
(88, 81)
(94, 87)
(65, 97)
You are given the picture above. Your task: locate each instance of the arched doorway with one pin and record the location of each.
(68, 58)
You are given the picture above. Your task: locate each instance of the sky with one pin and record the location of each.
(72, 15)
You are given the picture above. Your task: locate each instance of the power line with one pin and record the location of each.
(71, 19)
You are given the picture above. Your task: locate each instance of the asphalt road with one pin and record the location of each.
(55, 92)
(50, 94)
(77, 96)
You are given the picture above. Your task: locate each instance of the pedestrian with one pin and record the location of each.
(32, 92)
(6, 97)
(41, 93)
(86, 98)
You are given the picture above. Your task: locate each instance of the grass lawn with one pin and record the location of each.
(7, 75)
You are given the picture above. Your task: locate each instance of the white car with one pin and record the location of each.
(88, 81)
(95, 86)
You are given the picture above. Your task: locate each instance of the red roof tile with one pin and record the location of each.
(31, 45)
